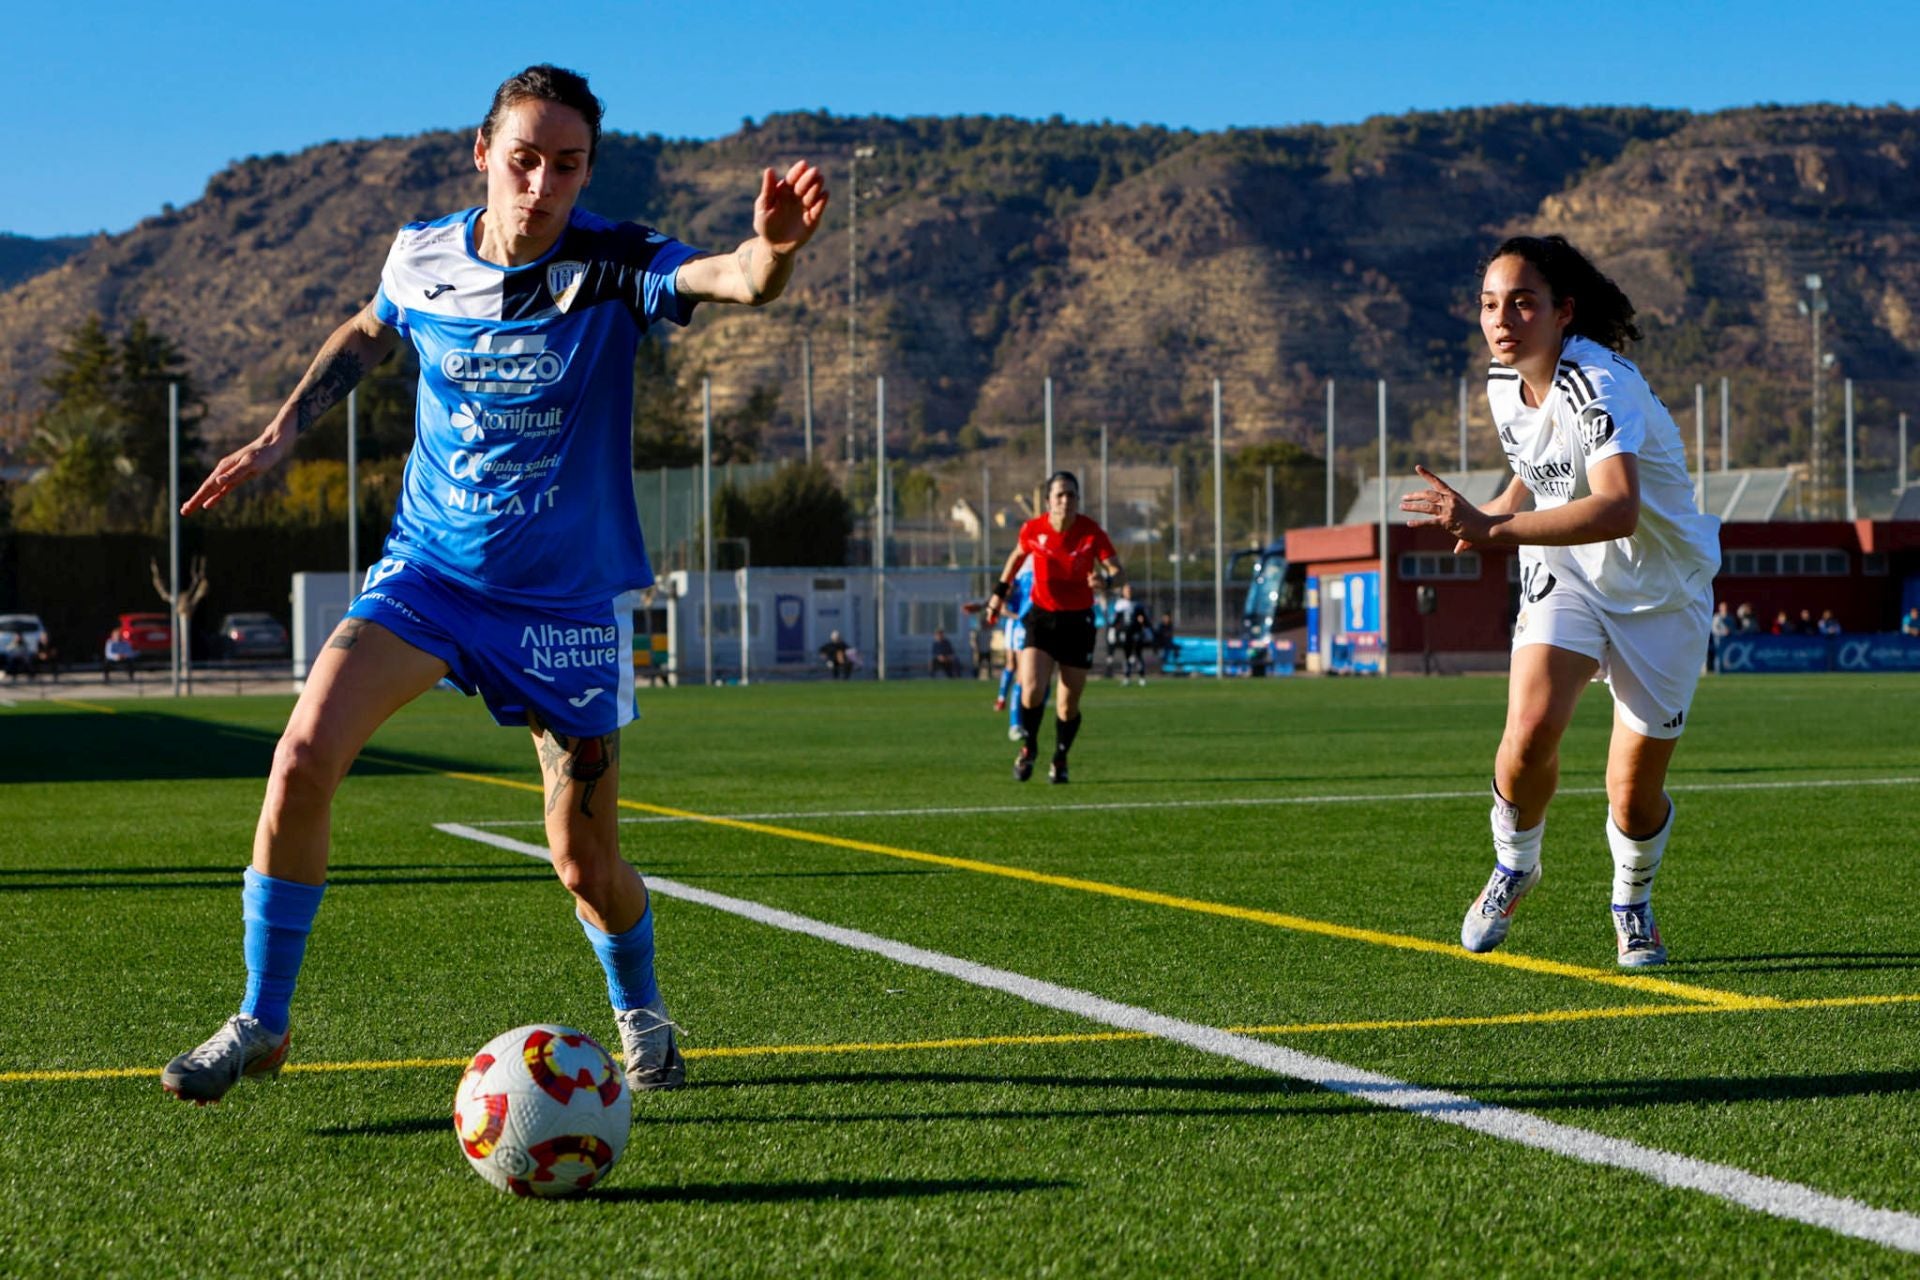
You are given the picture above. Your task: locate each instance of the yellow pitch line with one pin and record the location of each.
(1545, 1017)
(1298, 924)
(83, 706)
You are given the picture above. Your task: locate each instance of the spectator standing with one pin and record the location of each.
(1828, 624)
(837, 656)
(1910, 625)
(1745, 621)
(983, 649)
(1723, 625)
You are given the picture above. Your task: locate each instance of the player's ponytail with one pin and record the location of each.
(1601, 311)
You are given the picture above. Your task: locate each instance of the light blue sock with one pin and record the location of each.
(1013, 706)
(628, 959)
(278, 915)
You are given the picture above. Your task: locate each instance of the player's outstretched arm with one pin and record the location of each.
(998, 601)
(786, 213)
(1611, 510)
(344, 359)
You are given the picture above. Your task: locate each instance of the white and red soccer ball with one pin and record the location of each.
(542, 1111)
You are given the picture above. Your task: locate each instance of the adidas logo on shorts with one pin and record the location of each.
(1674, 723)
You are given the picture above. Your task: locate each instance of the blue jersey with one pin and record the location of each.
(520, 482)
(1019, 599)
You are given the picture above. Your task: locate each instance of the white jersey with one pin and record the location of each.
(1601, 406)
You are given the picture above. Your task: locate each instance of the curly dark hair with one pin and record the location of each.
(1601, 311)
(547, 83)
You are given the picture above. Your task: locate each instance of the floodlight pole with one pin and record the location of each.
(1903, 451)
(806, 370)
(1103, 475)
(1853, 512)
(1813, 308)
(173, 530)
(706, 528)
(1049, 427)
(1178, 576)
(880, 528)
(1727, 419)
(1385, 560)
(1700, 445)
(1269, 505)
(1219, 545)
(1463, 430)
(1329, 519)
(986, 519)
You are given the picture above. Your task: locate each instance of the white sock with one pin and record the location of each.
(1518, 851)
(1636, 861)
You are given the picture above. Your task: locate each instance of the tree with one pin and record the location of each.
(105, 436)
(666, 419)
(664, 433)
(797, 516)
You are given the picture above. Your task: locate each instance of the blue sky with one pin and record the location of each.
(119, 107)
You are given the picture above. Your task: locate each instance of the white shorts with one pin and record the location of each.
(1651, 661)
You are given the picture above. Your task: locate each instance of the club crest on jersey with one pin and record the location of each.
(1596, 427)
(563, 282)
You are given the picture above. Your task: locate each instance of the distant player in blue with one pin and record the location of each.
(1015, 629)
(515, 537)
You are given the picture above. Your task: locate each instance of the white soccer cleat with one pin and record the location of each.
(1638, 936)
(1492, 912)
(651, 1048)
(239, 1049)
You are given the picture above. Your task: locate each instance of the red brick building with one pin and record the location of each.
(1866, 571)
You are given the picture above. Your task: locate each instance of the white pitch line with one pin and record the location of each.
(1222, 802)
(1772, 1196)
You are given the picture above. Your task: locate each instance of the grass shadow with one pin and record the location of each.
(148, 746)
(1585, 1095)
(824, 1189)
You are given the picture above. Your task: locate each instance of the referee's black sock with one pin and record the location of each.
(1064, 732)
(1030, 727)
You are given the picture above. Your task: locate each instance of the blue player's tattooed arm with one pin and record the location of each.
(344, 359)
(786, 212)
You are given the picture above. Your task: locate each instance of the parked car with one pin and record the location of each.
(23, 644)
(138, 640)
(252, 635)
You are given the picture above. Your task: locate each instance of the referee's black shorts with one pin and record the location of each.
(1066, 637)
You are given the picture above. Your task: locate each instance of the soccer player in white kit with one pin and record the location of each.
(1616, 572)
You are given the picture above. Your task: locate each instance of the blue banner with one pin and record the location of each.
(1362, 602)
(1876, 653)
(790, 629)
(1771, 655)
(1313, 613)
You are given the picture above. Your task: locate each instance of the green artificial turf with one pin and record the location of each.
(1210, 831)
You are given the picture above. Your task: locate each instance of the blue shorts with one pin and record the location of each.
(572, 665)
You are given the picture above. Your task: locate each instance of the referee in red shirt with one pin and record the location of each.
(1067, 548)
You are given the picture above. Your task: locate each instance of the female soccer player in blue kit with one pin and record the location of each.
(515, 535)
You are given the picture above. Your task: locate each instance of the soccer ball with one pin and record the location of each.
(542, 1111)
